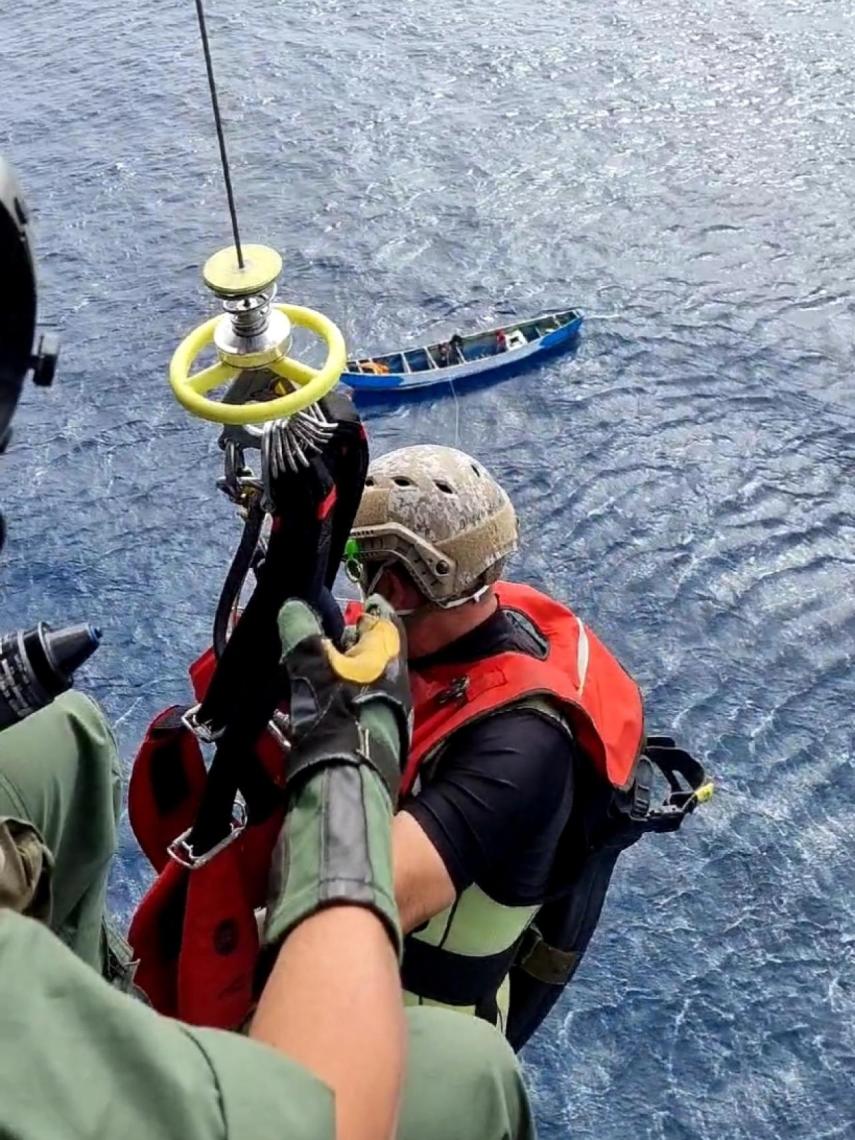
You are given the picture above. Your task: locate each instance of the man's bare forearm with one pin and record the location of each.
(333, 1003)
(423, 886)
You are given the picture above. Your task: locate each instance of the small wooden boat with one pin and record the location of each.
(465, 356)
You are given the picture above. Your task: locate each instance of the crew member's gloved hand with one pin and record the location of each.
(350, 718)
(351, 707)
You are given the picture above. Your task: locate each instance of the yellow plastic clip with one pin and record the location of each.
(705, 792)
(379, 643)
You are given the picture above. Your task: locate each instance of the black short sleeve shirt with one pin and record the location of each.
(502, 792)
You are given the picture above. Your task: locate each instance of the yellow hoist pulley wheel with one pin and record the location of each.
(224, 278)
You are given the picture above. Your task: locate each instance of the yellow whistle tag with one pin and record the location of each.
(705, 792)
(367, 661)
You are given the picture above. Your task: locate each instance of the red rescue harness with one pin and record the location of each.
(194, 932)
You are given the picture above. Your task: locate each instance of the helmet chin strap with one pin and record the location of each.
(453, 604)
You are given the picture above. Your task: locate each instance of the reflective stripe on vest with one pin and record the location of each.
(463, 955)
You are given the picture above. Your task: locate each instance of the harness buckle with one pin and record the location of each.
(642, 792)
(182, 853)
(202, 732)
(238, 482)
(278, 726)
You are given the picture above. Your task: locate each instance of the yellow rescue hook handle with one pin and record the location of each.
(312, 384)
(379, 643)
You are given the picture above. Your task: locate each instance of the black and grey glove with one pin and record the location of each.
(352, 707)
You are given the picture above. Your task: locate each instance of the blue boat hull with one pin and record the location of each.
(481, 366)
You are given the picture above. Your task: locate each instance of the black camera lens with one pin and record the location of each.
(38, 664)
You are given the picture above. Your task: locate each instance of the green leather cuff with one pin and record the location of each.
(335, 848)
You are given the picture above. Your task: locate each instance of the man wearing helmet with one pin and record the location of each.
(434, 531)
(527, 747)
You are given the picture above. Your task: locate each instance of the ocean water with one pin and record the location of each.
(681, 172)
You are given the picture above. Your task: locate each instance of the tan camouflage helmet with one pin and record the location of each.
(439, 514)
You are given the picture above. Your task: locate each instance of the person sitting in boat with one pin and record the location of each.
(443, 353)
(456, 349)
(527, 742)
(501, 341)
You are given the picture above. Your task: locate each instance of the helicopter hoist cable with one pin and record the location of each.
(252, 339)
(218, 122)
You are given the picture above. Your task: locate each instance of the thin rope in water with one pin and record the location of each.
(221, 138)
(456, 414)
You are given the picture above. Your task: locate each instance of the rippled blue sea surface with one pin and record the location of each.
(683, 173)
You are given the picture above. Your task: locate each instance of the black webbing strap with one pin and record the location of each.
(454, 979)
(247, 684)
(291, 569)
(348, 466)
(685, 776)
(241, 565)
(306, 544)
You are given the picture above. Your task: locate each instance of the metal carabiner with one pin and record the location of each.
(202, 732)
(182, 853)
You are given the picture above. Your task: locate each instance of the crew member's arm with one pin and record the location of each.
(333, 1004)
(501, 798)
(423, 885)
(117, 1068)
(332, 1000)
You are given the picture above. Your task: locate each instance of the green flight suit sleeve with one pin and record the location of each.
(463, 1081)
(79, 1059)
(60, 790)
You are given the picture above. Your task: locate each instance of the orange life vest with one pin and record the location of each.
(602, 706)
(378, 367)
(600, 701)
